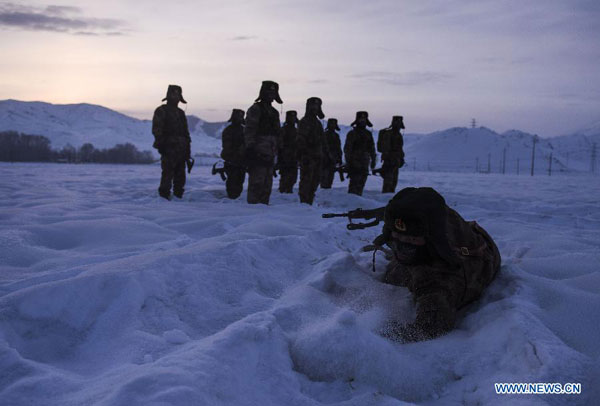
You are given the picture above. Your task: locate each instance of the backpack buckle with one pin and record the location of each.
(464, 251)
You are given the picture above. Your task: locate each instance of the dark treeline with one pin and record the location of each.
(15, 147)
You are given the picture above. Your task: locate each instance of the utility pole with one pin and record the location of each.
(428, 167)
(473, 123)
(535, 139)
(414, 164)
(518, 165)
(477, 164)
(489, 163)
(504, 161)
(550, 165)
(593, 162)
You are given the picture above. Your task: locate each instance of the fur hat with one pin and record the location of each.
(400, 119)
(291, 115)
(332, 122)
(360, 115)
(269, 85)
(176, 91)
(318, 102)
(237, 113)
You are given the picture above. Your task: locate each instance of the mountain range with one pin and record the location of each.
(454, 149)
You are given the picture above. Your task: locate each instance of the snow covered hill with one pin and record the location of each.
(110, 295)
(77, 124)
(456, 149)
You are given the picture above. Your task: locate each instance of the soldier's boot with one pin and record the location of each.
(165, 194)
(178, 193)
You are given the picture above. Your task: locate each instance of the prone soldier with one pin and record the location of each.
(260, 137)
(233, 154)
(172, 140)
(389, 144)
(333, 158)
(359, 151)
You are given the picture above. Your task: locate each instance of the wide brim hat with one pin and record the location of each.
(175, 90)
(237, 113)
(318, 102)
(332, 122)
(292, 114)
(400, 119)
(269, 85)
(360, 115)
(420, 212)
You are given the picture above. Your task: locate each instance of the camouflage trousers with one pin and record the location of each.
(236, 175)
(358, 178)
(288, 177)
(260, 183)
(390, 178)
(327, 175)
(173, 174)
(310, 175)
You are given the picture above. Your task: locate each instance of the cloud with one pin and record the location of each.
(53, 18)
(243, 38)
(415, 78)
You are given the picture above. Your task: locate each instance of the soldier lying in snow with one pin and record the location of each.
(445, 261)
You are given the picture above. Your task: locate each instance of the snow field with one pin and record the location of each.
(110, 295)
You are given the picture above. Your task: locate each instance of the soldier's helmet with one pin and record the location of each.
(269, 85)
(237, 114)
(333, 123)
(418, 215)
(316, 101)
(399, 120)
(361, 115)
(175, 90)
(291, 116)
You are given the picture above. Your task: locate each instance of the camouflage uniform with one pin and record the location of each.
(261, 137)
(233, 154)
(359, 151)
(287, 159)
(311, 145)
(445, 261)
(172, 140)
(334, 157)
(389, 144)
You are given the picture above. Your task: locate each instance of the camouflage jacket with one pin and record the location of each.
(287, 155)
(334, 157)
(233, 144)
(170, 129)
(261, 133)
(359, 148)
(311, 140)
(389, 144)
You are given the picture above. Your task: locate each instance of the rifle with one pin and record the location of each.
(376, 214)
(340, 169)
(190, 164)
(378, 171)
(220, 170)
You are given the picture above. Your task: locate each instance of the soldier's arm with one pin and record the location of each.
(226, 142)
(372, 149)
(185, 126)
(158, 123)
(302, 138)
(251, 128)
(380, 136)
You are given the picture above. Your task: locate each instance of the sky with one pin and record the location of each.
(528, 65)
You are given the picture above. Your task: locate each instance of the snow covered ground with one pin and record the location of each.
(112, 296)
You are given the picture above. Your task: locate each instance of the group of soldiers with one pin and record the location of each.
(443, 260)
(255, 143)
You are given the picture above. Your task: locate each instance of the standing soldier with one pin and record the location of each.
(311, 145)
(260, 136)
(233, 154)
(172, 140)
(334, 157)
(287, 160)
(359, 151)
(389, 143)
